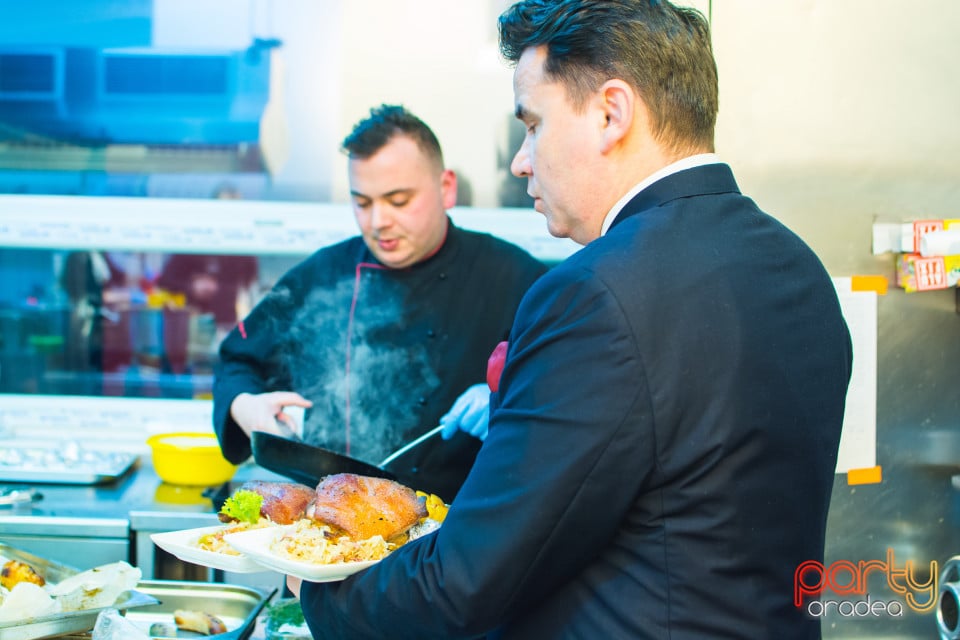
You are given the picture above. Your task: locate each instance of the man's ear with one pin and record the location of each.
(619, 104)
(448, 188)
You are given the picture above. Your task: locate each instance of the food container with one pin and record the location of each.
(60, 623)
(235, 605)
(190, 459)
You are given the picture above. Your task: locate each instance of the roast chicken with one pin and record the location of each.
(14, 572)
(362, 507)
(283, 502)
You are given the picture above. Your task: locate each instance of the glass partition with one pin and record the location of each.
(122, 323)
(131, 297)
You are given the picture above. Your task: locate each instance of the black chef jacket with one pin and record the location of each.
(382, 353)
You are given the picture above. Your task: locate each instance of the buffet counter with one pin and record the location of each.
(89, 525)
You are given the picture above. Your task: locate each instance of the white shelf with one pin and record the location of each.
(226, 226)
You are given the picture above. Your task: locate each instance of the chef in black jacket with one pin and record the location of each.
(379, 335)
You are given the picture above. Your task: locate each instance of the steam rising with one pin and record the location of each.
(389, 367)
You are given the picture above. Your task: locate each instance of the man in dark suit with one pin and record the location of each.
(663, 442)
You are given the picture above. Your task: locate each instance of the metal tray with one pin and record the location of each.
(62, 464)
(60, 624)
(237, 606)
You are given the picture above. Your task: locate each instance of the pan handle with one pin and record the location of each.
(410, 445)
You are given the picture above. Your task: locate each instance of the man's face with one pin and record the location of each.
(560, 151)
(400, 198)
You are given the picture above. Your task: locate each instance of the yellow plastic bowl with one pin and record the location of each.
(190, 459)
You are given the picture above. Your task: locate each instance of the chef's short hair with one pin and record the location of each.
(383, 124)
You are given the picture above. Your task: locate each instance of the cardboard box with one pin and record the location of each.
(905, 237)
(916, 273)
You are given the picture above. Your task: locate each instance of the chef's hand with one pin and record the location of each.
(470, 413)
(265, 412)
(293, 583)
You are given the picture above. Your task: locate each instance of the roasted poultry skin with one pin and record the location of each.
(15, 572)
(283, 502)
(363, 507)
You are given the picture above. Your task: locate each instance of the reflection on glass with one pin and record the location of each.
(121, 323)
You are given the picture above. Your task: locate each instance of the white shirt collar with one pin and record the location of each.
(685, 163)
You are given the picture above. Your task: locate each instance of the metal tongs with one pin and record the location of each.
(410, 445)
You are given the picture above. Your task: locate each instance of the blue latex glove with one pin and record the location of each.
(470, 413)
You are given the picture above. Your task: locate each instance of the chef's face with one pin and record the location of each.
(400, 198)
(560, 151)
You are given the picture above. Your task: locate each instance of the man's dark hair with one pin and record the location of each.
(663, 51)
(385, 122)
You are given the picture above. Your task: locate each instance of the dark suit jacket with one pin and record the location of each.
(661, 449)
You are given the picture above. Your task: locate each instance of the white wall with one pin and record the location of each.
(440, 59)
(833, 113)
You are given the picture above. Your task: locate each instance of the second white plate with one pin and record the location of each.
(256, 545)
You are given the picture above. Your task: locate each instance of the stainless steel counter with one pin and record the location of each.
(85, 526)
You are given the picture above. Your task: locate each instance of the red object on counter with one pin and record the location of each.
(495, 366)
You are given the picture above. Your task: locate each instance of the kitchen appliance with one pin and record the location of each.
(948, 604)
(136, 95)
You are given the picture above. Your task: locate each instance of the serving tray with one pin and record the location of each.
(62, 623)
(62, 464)
(237, 606)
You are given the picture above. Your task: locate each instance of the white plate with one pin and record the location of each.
(256, 544)
(183, 544)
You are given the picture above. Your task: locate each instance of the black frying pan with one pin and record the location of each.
(305, 463)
